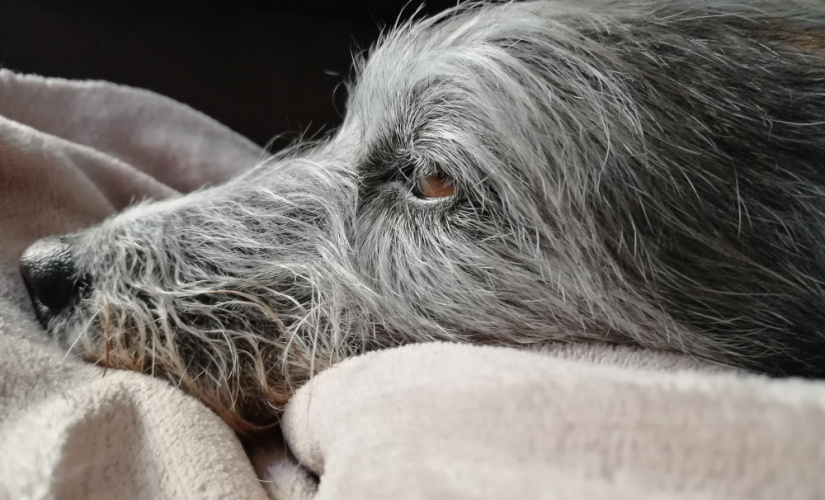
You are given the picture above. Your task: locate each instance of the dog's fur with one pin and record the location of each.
(650, 173)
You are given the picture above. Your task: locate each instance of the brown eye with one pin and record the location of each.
(434, 186)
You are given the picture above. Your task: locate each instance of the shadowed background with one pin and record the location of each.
(262, 68)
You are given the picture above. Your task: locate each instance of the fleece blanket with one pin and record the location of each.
(426, 421)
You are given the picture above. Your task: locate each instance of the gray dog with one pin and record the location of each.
(506, 174)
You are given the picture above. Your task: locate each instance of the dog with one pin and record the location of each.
(513, 174)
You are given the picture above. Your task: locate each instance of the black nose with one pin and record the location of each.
(50, 276)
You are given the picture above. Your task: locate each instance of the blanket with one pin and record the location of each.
(426, 421)
(72, 153)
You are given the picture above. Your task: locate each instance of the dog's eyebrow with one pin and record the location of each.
(387, 158)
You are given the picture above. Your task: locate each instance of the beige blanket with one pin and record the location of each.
(428, 421)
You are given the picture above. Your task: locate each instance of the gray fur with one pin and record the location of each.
(646, 173)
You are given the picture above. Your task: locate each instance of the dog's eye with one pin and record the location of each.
(434, 185)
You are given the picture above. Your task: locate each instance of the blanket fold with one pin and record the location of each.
(71, 154)
(454, 421)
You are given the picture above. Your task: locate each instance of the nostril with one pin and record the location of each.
(49, 273)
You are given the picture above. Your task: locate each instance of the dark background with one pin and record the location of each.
(262, 68)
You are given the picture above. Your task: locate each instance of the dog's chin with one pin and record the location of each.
(246, 418)
(245, 407)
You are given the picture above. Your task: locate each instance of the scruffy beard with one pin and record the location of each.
(651, 176)
(226, 296)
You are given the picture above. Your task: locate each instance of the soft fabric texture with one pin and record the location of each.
(72, 153)
(428, 421)
(460, 422)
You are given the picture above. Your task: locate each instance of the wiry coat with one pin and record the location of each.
(650, 173)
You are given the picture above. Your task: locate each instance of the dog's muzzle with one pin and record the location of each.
(50, 276)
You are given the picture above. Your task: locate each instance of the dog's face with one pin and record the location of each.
(497, 178)
(426, 216)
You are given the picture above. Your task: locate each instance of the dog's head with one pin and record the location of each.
(497, 178)
(430, 214)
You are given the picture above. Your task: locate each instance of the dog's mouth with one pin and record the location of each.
(248, 399)
(227, 360)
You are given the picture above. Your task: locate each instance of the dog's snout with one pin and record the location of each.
(50, 275)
